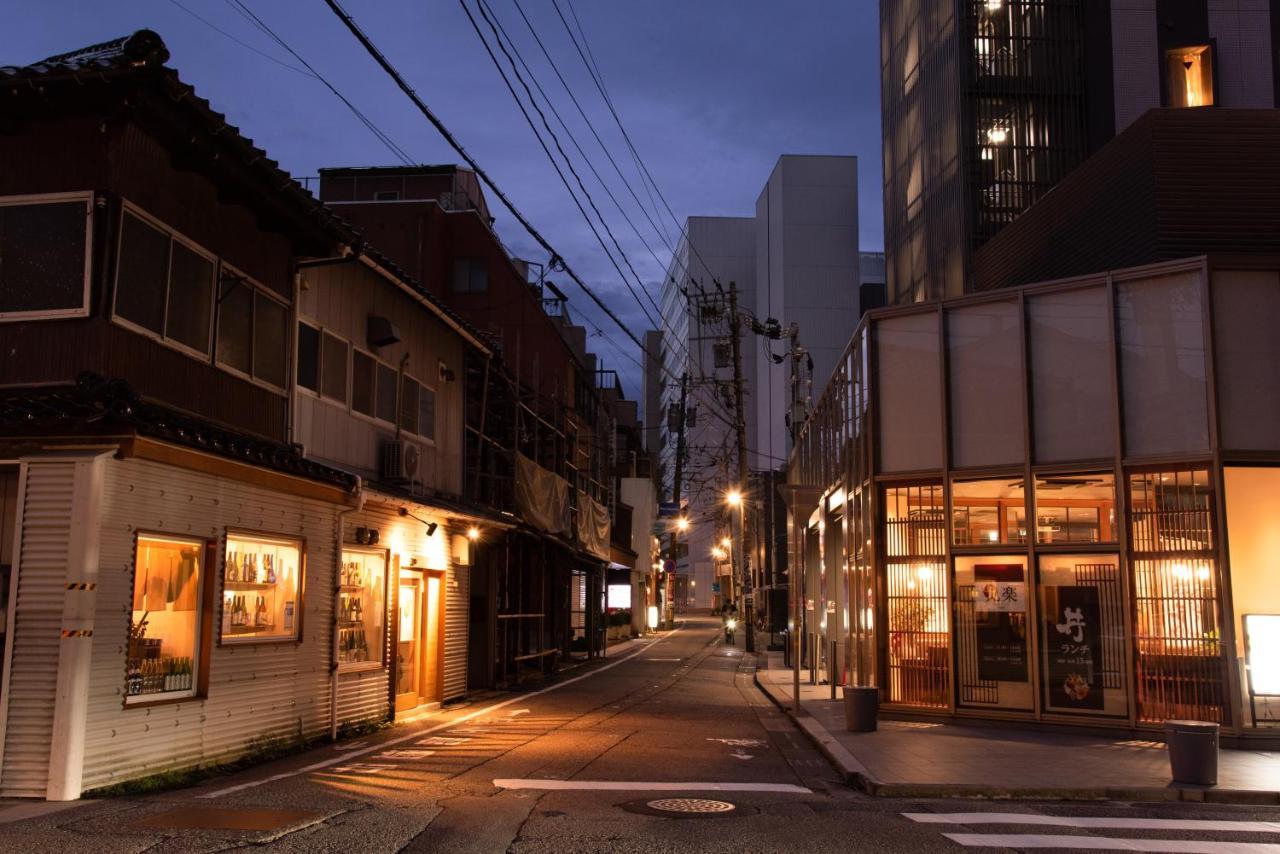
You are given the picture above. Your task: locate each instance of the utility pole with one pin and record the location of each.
(669, 604)
(735, 333)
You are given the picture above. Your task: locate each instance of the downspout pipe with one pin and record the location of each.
(339, 525)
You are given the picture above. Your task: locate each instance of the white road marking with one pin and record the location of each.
(362, 768)
(406, 753)
(1104, 843)
(318, 766)
(441, 741)
(741, 755)
(355, 745)
(662, 659)
(739, 742)
(1094, 822)
(518, 712)
(628, 786)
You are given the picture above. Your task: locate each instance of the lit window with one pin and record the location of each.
(164, 627)
(1076, 508)
(1190, 74)
(988, 512)
(261, 580)
(362, 605)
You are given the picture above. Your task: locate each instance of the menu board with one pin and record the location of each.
(1073, 648)
(1000, 605)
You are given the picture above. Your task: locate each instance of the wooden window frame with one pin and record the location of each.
(248, 533)
(384, 660)
(255, 287)
(204, 620)
(87, 197)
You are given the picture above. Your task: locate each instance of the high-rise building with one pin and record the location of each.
(795, 261)
(987, 104)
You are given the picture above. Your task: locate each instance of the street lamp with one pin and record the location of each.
(682, 524)
(734, 499)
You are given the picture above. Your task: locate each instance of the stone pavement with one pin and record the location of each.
(928, 759)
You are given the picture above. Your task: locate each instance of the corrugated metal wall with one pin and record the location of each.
(456, 615)
(256, 692)
(42, 576)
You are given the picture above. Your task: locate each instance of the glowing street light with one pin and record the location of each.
(734, 498)
(473, 533)
(726, 542)
(682, 524)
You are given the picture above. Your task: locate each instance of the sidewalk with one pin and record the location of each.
(921, 759)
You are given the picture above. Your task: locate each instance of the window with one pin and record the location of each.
(386, 196)
(385, 401)
(309, 357)
(260, 589)
(362, 609)
(44, 256)
(470, 276)
(163, 657)
(253, 330)
(333, 368)
(409, 405)
(362, 382)
(1253, 506)
(918, 630)
(1082, 633)
(427, 413)
(984, 347)
(164, 285)
(1189, 75)
(1075, 508)
(910, 392)
(988, 512)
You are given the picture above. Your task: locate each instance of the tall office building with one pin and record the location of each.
(1041, 85)
(795, 261)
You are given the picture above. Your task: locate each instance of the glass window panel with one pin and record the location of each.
(333, 371)
(362, 382)
(1253, 537)
(985, 365)
(270, 340)
(987, 512)
(993, 667)
(190, 297)
(386, 393)
(42, 255)
(918, 630)
(164, 625)
(362, 608)
(260, 584)
(1082, 631)
(235, 324)
(1162, 363)
(1076, 508)
(1246, 315)
(142, 274)
(409, 405)
(1069, 340)
(1189, 76)
(910, 396)
(309, 357)
(427, 413)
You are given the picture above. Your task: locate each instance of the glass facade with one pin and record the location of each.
(1108, 571)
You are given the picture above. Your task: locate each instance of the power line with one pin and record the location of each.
(243, 44)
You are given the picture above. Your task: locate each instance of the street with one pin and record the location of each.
(585, 765)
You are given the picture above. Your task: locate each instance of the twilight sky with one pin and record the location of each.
(711, 92)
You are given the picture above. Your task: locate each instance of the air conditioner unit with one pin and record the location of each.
(400, 460)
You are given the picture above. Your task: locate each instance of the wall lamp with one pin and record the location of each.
(431, 526)
(367, 536)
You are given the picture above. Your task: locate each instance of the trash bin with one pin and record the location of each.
(860, 708)
(1193, 751)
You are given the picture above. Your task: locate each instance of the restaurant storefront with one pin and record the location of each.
(1058, 503)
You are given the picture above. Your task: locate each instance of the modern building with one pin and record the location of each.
(987, 104)
(796, 261)
(1055, 500)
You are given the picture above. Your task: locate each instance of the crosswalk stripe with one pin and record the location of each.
(1104, 843)
(1135, 823)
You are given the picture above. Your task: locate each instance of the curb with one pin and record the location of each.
(857, 775)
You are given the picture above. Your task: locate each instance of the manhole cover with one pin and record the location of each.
(698, 806)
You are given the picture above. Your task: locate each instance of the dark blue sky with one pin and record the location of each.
(711, 91)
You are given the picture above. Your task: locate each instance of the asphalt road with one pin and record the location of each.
(577, 768)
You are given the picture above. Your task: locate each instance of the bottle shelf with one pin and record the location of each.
(249, 585)
(244, 630)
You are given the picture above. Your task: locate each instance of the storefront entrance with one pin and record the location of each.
(420, 639)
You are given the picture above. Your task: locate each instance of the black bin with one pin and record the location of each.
(1193, 751)
(861, 706)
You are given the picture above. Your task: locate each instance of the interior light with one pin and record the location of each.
(994, 5)
(473, 533)
(1262, 640)
(1203, 573)
(1181, 571)
(924, 573)
(997, 135)
(993, 536)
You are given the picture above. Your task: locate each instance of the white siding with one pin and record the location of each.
(274, 690)
(42, 574)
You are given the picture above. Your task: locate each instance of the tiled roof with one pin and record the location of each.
(138, 59)
(95, 405)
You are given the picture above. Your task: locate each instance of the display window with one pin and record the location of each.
(163, 657)
(261, 588)
(1075, 508)
(362, 609)
(993, 663)
(1082, 632)
(917, 618)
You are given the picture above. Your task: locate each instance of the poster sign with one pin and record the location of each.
(1000, 601)
(1073, 648)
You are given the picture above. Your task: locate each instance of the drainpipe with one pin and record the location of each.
(333, 620)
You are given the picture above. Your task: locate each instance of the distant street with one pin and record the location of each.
(579, 767)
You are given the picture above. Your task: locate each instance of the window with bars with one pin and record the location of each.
(918, 624)
(1180, 672)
